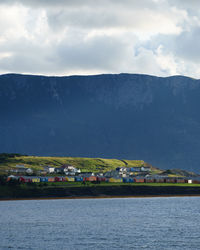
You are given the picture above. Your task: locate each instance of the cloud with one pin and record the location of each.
(108, 36)
(185, 4)
(146, 20)
(132, 15)
(79, 3)
(187, 46)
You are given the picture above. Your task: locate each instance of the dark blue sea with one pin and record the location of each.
(126, 223)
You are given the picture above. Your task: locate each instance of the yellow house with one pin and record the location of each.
(36, 179)
(69, 178)
(115, 180)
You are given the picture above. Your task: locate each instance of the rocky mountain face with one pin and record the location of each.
(123, 116)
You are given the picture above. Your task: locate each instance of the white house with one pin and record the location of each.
(29, 171)
(49, 169)
(20, 169)
(70, 170)
(145, 169)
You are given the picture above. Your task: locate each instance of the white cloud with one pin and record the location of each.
(12, 22)
(109, 36)
(145, 20)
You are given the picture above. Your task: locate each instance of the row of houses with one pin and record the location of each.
(133, 169)
(64, 169)
(98, 179)
(120, 174)
(21, 169)
(123, 172)
(70, 170)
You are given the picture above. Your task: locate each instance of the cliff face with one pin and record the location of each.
(113, 116)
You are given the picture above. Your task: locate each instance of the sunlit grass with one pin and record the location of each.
(85, 164)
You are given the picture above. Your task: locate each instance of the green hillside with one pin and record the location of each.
(9, 161)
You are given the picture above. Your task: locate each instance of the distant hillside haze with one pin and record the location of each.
(125, 116)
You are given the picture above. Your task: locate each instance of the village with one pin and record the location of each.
(69, 173)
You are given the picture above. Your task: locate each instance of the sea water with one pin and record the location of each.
(126, 223)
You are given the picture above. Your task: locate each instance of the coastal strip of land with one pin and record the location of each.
(96, 191)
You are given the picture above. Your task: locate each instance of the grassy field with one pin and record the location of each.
(85, 164)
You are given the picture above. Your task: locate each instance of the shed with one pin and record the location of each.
(115, 180)
(35, 179)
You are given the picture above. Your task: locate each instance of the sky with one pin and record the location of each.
(84, 37)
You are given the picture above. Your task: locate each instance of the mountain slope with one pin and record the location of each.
(121, 116)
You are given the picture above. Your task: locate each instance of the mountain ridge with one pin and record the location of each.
(95, 75)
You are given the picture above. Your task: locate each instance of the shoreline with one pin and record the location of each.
(95, 192)
(100, 197)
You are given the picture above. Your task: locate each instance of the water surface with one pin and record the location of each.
(126, 223)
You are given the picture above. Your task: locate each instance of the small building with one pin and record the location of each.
(78, 178)
(41, 172)
(145, 169)
(115, 180)
(21, 170)
(12, 177)
(128, 180)
(113, 173)
(139, 179)
(135, 169)
(90, 178)
(70, 178)
(51, 179)
(29, 171)
(49, 169)
(87, 174)
(58, 179)
(70, 170)
(59, 170)
(25, 179)
(122, 169)
(101, 178)
(43, 179)
(35, 179)
(67, 170)
(99, 174)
